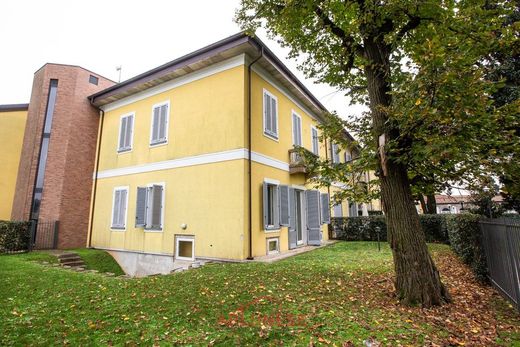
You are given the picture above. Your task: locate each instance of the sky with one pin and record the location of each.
(136, 35)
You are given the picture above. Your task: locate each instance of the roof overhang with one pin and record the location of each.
(14, 107)
(217, 52)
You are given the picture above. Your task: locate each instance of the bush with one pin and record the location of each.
(466, 241)
(14, 236)
(364, 228)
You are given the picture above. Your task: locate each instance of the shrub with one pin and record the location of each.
(364, 228)
(466, 241)
(14, 236)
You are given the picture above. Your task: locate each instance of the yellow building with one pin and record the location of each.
(12, 128)
(195, 159)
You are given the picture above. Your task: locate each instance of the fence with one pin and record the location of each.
(44, 234)
(501, 240)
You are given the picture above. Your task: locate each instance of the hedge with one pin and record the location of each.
(14, 236)
(466, 241)
(365, 228)
(461, 231)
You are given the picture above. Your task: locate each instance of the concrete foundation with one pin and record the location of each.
(140, 264)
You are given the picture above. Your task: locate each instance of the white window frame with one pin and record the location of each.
(166, 126)
(126, 150)
(293, 113)
(271, 239)
(185, 238)
(267, 133)
(317, 152)
(116, 227)
(148, 214)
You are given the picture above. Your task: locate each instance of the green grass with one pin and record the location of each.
(334, 294)
(99, 260)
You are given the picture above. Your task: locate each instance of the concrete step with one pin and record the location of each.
(67, 255)
(75, 263)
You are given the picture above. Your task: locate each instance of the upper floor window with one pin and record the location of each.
(93, 79)
(335, 153)
(348, 156)
(160, 114)
(119, 207)
(315, 141)
(126, 132)
(297, 129)
(270, 115)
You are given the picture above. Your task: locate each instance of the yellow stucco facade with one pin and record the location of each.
(202, 165)
(12, 127)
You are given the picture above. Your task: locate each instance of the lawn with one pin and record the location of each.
(341, 295)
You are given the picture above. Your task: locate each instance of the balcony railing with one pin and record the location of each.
(297, 162)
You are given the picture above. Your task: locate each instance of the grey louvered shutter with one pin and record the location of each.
(274, 115)
(122, 133)
(312, 199)
(292, 219)
(325, 209)
(162, 122)
(265, 198)
(116, 207)
(128, 131)
(122, 208)
(267, 113)
(140, 207)
(157, 206)
(284, 205)
(155, 124)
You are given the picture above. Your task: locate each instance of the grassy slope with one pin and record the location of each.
(99, 260)
(336, 294)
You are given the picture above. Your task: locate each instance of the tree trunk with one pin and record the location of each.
(431, 204)
(417, 278)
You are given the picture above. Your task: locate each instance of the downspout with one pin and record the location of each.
(249, 154)
(96, 169)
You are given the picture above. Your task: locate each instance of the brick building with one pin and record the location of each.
(54, 180)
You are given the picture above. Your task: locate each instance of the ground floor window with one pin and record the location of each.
(271, 206)
(273, 245)
(185, 247)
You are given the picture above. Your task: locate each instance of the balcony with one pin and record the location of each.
(297, 162)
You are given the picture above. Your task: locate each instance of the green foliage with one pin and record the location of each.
(99, 260)
(14, 236)
(466, 241)
(366, 228)
(440, 122)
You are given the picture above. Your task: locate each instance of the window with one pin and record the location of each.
(273, 245)
(297, 129)
(119, 209)
(338, 210)
(126, 132)
(270, 115)
(335, 153)
(315, 141)
(149, 207)
(348, 156)
(271, 206)
(325, 209)
(159, 131)
(93, 79)
(184, 247)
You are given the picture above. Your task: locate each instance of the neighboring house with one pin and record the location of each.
(196, 159)
(454, 204)
(12, 127)
(56, 151)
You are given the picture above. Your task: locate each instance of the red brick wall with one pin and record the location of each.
(70, 162)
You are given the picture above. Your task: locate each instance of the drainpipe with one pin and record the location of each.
(249, 152)
(96, 169)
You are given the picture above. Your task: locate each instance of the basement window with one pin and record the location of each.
(93, 79)
(273, 245)
(185, 248)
